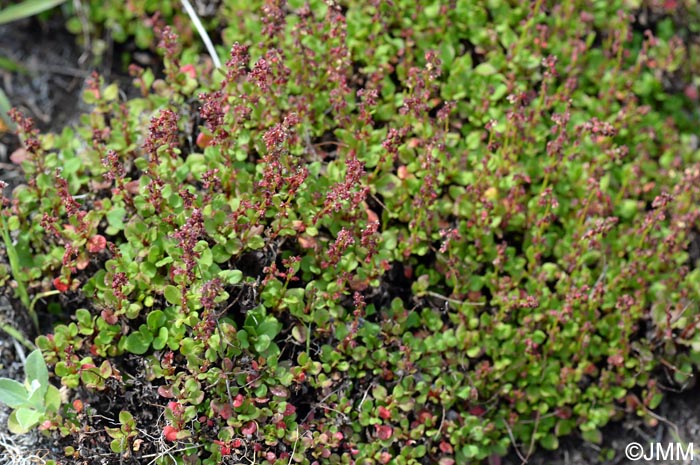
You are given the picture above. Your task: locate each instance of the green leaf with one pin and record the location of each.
(26, 9)
(162, 338)
(52, 400)
(550, 442)
(164, 261)
(26, 418)
(231, 276)
(115, 218)
(262, 343)
(12, 393)
(138, 343)
(111, 92)
(155, 320)
(485, 69)
(594, 435)
(172, 295)
(84, 317)
(4, 108)
(256, 242)
(270, 327)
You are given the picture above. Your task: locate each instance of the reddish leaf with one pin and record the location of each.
(250, 428)
(203, 140)
(109, 317)
(384, 413)
(384, 432)
(165, 392)
(289, 410)
(222, 409)
(189, 70)
(96, 243)
(279, 391)
(78, 405)
(60, 285)
(170, 433)
(19, 155)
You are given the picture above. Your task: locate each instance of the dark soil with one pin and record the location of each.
(50, 93)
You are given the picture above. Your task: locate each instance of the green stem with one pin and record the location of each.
(17, 335)
(16, 272)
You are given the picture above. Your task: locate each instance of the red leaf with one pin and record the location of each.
(289, 410)
(170, 433)
(165, 392)
(96, 243)
(78, 405)
(384, 413)
(222, 409)
(446, 447)
(19, 155)
(384, 432)
(203, 140)
(110, 318)
(189, 70)
(238, 400)
(60, 285)
(250, 428)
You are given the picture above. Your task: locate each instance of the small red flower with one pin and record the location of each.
(60, 285)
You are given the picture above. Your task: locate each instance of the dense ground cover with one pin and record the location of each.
(382, 232)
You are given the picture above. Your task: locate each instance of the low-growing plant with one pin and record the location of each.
(384, 233)
(33, 401)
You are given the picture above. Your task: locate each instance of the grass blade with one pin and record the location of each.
(26, 9)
